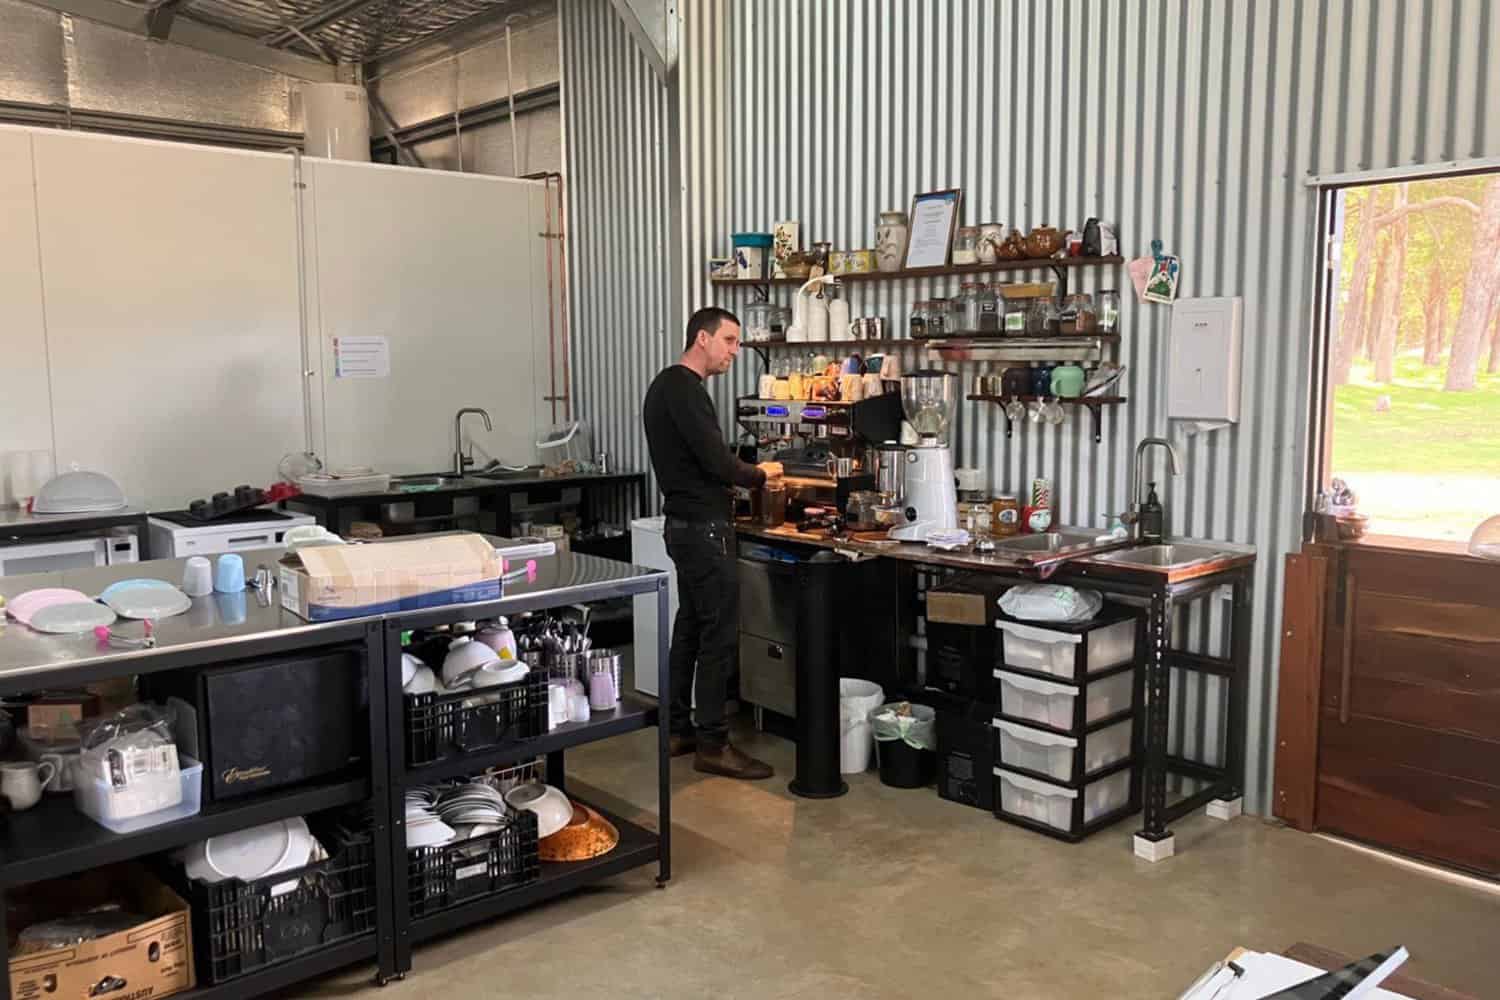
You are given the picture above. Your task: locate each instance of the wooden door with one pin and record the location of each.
(1409, 726)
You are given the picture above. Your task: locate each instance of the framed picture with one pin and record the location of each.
(934, 218)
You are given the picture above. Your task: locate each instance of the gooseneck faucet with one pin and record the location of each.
(1137, 498)
(460, 460)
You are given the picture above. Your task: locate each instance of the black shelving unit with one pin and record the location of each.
(53, 840)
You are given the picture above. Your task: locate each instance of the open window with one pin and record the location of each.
(1407, 393)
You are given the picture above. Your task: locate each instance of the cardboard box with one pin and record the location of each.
(61, 712)
(329, 582)
(153, 958)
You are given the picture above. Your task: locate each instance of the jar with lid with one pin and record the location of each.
(1108, 308)
(966, 307)
(758, 316)
(1013, 316)
(890, 241)
(974, 517)
(989, 310)
(1077, 314)
(939, 318)
(917, 325)
(966, 245)
(1045, 318)
(1005, 515)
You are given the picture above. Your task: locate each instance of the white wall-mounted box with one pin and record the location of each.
(1203, 375)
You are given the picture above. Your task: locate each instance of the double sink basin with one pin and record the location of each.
(1171, 556)
(442, 480)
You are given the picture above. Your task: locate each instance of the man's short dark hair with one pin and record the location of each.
(707, 320)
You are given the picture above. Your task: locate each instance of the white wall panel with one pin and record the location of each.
(171, 310)
(25, 403)
(444, 266)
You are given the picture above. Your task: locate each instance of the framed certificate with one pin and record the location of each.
(934, 217)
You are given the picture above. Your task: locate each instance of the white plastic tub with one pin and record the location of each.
(1048, 651)
(1052, 805)
(97, 800)
(857, 699)
(1057, 756)
(1052, 704)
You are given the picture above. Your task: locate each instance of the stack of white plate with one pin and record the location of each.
(282, 846)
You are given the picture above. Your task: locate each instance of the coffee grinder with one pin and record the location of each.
(927, 494)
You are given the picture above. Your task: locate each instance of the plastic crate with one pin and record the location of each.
(1067, 759)
(442, 725)
(239, 927)
(1071, 652)
(1055, 705)
(449, 874)
(1068, 813)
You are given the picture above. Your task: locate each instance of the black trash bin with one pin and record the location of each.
(906, 747)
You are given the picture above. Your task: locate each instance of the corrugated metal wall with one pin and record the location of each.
(615, 120)
(1193, 122)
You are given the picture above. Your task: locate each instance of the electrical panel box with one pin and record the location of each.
(1203, 378)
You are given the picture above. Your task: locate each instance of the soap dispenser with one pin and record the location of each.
(1151, 516)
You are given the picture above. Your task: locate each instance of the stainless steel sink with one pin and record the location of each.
(1176, 555)
(531, 472)
(1050, 542)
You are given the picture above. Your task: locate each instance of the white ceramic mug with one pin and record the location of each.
(21, 782)
(62, 779)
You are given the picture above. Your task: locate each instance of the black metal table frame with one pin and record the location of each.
(66, 525)
(389, 945)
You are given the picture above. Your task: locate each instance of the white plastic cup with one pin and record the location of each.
(197, 577)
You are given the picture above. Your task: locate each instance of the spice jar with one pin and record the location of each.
(966, 245)
(1108, 306)
(1005, 515)
(890, 241)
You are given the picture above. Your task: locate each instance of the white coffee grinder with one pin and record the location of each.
(928, 399)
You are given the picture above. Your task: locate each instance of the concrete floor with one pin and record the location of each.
(895, 893)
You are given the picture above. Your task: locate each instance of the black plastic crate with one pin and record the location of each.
(442, 725)
(239, 927)
(449, 874)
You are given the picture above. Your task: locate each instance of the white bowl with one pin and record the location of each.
(552, 808)
(409, 667)
(464, 655)
(424, 681)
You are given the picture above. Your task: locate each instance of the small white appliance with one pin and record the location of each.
(174, 534)
(648, 547)
(81, 551)
(928, 496)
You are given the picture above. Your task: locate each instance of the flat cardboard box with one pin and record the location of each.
(330, 582)
(152, 959)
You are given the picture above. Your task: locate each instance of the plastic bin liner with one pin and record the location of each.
(915, 725)
(1048, 602)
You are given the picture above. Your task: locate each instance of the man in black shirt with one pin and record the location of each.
(696, 472)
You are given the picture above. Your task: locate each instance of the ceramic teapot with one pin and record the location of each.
(1013, 247)
(1044, 241)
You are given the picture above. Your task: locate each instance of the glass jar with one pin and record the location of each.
(966, 245)
(890, 241)
(1107, 305)
(989, 310)
(1077, 315)
(1045, 318)
(939, 318)
(1005, 515)
(758, 317)
(966, 307)
(917, 325)
(1013, 316)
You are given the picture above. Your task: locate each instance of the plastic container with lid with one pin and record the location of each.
(752, 255)
(77, 492)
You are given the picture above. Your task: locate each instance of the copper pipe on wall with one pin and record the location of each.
(560, 236)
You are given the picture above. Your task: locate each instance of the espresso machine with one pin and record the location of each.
(928, 498)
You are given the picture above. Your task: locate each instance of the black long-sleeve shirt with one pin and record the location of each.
(694, 467)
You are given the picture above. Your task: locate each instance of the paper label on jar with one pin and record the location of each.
(1110, 317)
(1015, 322)
(1009, 515)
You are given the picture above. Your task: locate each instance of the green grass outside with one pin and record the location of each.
(1426, 431)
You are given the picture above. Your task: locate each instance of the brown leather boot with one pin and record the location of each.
(731, 762)
(682, 745)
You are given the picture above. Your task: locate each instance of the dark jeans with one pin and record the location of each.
(706, 633)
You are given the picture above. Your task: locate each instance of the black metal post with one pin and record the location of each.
(378, 683)
(557, 775)
(1158, 711)
(1239, 684)
(395, 803)
(663, 730)
(817, 681)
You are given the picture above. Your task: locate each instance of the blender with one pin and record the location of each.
(930, 504)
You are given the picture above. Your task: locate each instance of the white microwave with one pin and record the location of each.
(51, 555)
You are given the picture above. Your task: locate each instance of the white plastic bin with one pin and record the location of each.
(1046, 702)
(1110, 696)
(1102, 797)
(1030, 647)
(96, 799)
(857, 699)
(1057, 756)
(1036, 800)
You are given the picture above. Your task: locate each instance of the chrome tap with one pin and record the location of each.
(1137, 480)
(460, 460)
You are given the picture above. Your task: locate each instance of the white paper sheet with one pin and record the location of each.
(1265, 973)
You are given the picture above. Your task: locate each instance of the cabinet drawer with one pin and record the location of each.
(768, 673)
(768, 599)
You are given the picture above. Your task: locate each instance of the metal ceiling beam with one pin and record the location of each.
(193, 35)
(159, 19)
(488, 113)
(335, 11)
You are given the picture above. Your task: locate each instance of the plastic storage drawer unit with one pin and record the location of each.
(1071, 652)
(1069, 759)
(1067, 813)
(1052, 704)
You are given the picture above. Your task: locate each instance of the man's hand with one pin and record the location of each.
(773, 470)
